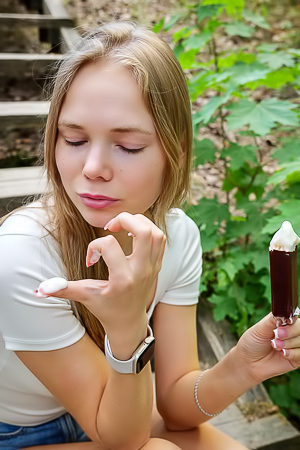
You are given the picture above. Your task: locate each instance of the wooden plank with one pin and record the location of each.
(268, 432)
(263, 428)
(55, 8)
(20, 63)
(21, 181)
(34, 20)
(69, 36)
(23, 114)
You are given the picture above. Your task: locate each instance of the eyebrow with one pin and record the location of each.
(124, 130)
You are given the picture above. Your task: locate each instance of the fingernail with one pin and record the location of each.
(277, 343)
(285, 352)
(94, 258)
(280, 333)
(50, 286)
(130, 234)
(108, 224)
(275, 333)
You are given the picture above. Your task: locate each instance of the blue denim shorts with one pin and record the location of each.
(62, 430)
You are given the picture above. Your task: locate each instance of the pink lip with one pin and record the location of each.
(97, 201)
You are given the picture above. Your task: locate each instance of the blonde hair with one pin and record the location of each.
(163, 85)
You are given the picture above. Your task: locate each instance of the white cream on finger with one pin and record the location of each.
(50, 286)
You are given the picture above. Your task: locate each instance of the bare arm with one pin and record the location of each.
(250, 362)
(114, 409)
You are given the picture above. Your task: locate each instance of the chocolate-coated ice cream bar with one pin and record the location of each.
(284, 274)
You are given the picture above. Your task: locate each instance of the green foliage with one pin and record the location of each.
(242, 91)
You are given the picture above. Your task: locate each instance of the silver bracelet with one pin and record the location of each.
(196, 396)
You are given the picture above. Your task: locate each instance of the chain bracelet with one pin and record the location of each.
(196, 396)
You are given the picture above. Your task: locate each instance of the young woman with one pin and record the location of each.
(74, 356)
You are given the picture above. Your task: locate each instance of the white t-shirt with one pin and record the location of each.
(29, 255)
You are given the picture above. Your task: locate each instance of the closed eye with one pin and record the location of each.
(131, 150)
(75, 143)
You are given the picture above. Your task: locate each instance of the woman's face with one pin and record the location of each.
(107, 152)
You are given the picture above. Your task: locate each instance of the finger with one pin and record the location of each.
(288, 331)
(148, 239)
(293, 355)
(158, 243)
(140, 231)
(112, 253)
(81, 290)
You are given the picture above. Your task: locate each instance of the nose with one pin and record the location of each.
(98, 163)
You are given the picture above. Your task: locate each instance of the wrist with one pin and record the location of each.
(238, 372)
(139, 359)
(125, 339)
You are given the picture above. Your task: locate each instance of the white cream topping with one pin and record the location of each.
(285, 239)
(51, 285)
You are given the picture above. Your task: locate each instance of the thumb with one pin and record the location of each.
(264, 328)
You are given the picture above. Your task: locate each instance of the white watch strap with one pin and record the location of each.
(128, 366)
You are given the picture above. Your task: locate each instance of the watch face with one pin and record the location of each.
(145, 356)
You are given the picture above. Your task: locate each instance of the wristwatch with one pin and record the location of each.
(139, 359)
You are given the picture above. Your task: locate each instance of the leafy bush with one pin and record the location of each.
(248, 90)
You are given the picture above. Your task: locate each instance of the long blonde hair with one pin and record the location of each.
(163, 85)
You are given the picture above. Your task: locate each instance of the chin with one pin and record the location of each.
(96, 220)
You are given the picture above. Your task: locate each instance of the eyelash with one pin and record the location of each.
(74, 143)
(131, 150)
(125, 149)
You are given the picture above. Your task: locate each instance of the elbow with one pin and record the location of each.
(175, 421)
(126, 443)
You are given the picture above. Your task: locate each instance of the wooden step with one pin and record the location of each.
(20, 63)
(266, 428)
(69, 36)
(23, 114)
(34, 20)
(21, 182)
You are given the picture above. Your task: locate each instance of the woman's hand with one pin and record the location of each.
(121, 302)
(267, 351)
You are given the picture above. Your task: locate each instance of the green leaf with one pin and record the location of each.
(295, 384)
(290, 168)
(207, 111)
(242, 73)
(204, 151)
(290, 151)
(255, 19)
(157, 27)
(225, 306)
(233, 7)
(187, 59)
(181, 34)
(267, 47)
(281, 395)
(232, 58)
(209, 242)
(275, 79)
(294, 51)
(276, 60)
(174, 19)
(261, 117)
(197, 41)
(208, 211)
(229, 268)
(238, 29)
(204, 11)
(239, 154)
(290, 210)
